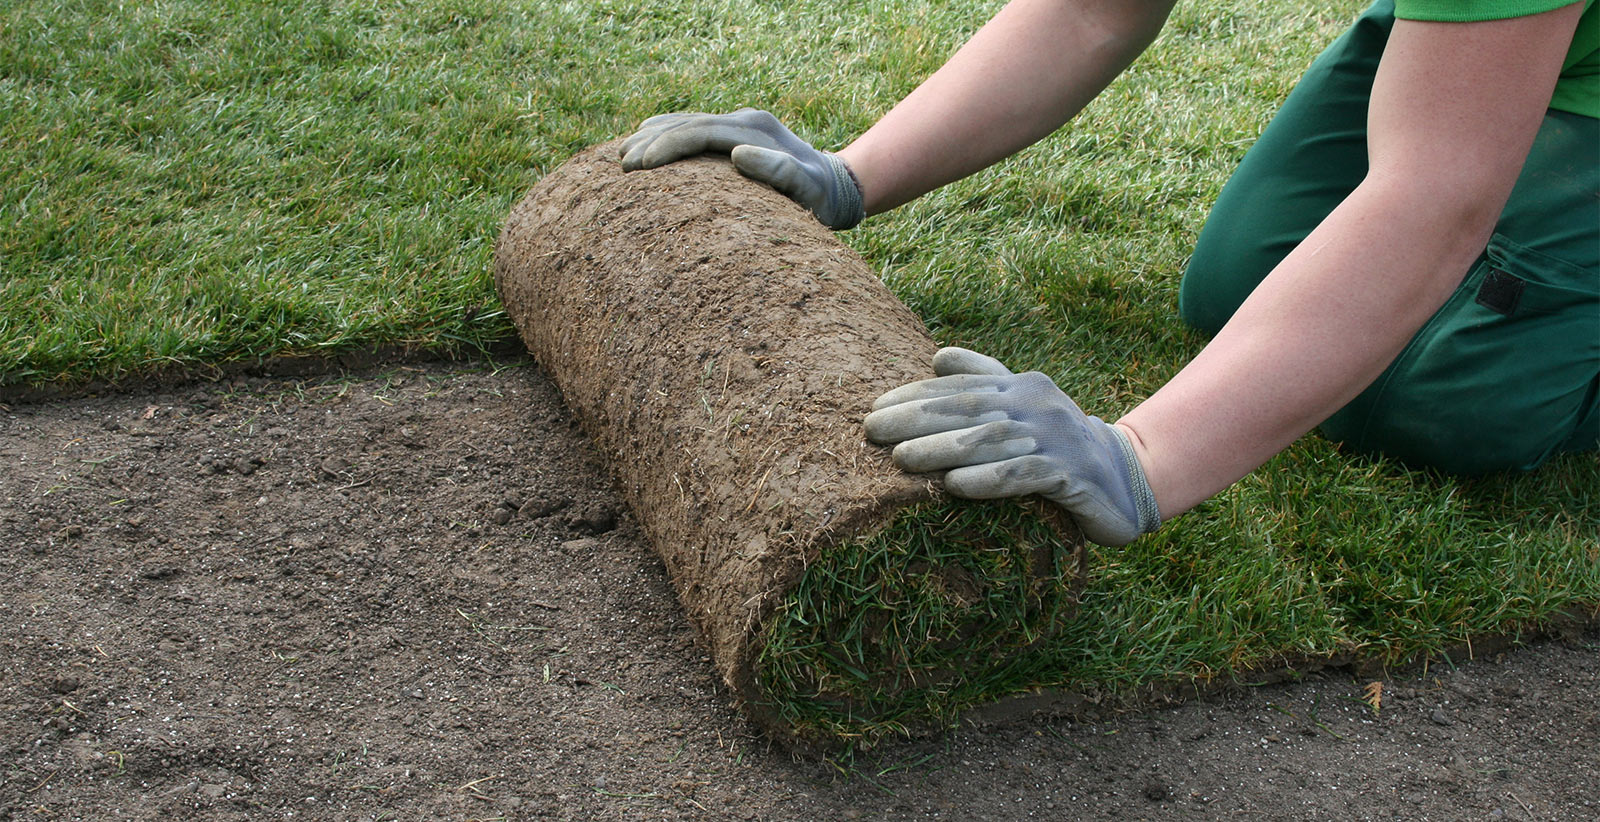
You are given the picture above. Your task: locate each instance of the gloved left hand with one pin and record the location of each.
(999, 434)
(761, 148)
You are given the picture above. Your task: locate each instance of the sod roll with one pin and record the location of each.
(721, 349)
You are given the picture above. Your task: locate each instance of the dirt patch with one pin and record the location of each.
(414, 595)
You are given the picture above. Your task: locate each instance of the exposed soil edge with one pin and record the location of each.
(164, 378)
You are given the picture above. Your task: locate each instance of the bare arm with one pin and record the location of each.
(1023, 75)
(1455, 108)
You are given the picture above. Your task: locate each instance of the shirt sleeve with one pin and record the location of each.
(1468, 11)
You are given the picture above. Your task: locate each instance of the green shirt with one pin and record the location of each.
(1578, 88)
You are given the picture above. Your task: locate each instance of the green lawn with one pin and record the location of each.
(184, 184)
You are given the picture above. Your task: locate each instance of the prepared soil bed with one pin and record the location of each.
(413, 593)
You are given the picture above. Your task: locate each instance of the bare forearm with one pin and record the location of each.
(1313, 335)
(1454, 110)
(1023, 75)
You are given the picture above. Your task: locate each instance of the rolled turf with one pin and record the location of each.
(721, 348)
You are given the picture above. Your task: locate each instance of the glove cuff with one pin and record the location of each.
(849, 209)
(1143, 498)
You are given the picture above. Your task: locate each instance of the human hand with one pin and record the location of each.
(999, 434)
(762, 149)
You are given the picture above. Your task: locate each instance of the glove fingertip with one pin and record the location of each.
(879, 429)
(633, 145)
(900, 395)
(954, 360)
(973, 482)
(775, 168)
(663, 150)
(913, 457)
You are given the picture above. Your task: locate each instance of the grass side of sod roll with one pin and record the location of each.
(949, 605)
(186, 184)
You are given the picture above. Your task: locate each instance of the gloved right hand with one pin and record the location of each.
(998, 434)
(762, 149)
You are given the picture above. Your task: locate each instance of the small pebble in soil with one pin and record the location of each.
(594, 519)
(542, 506)
(333, 468)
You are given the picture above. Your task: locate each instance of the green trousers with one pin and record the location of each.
(1507, 373)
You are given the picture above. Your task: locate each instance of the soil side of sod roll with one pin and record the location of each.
(721, 349)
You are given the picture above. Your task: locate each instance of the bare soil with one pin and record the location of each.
(412, 593)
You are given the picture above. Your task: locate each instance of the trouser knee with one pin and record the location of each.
(1456, 446)
(1210, 291)
(1505, 376)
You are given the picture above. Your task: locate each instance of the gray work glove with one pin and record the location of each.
(762, 149)
(1000, 434)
